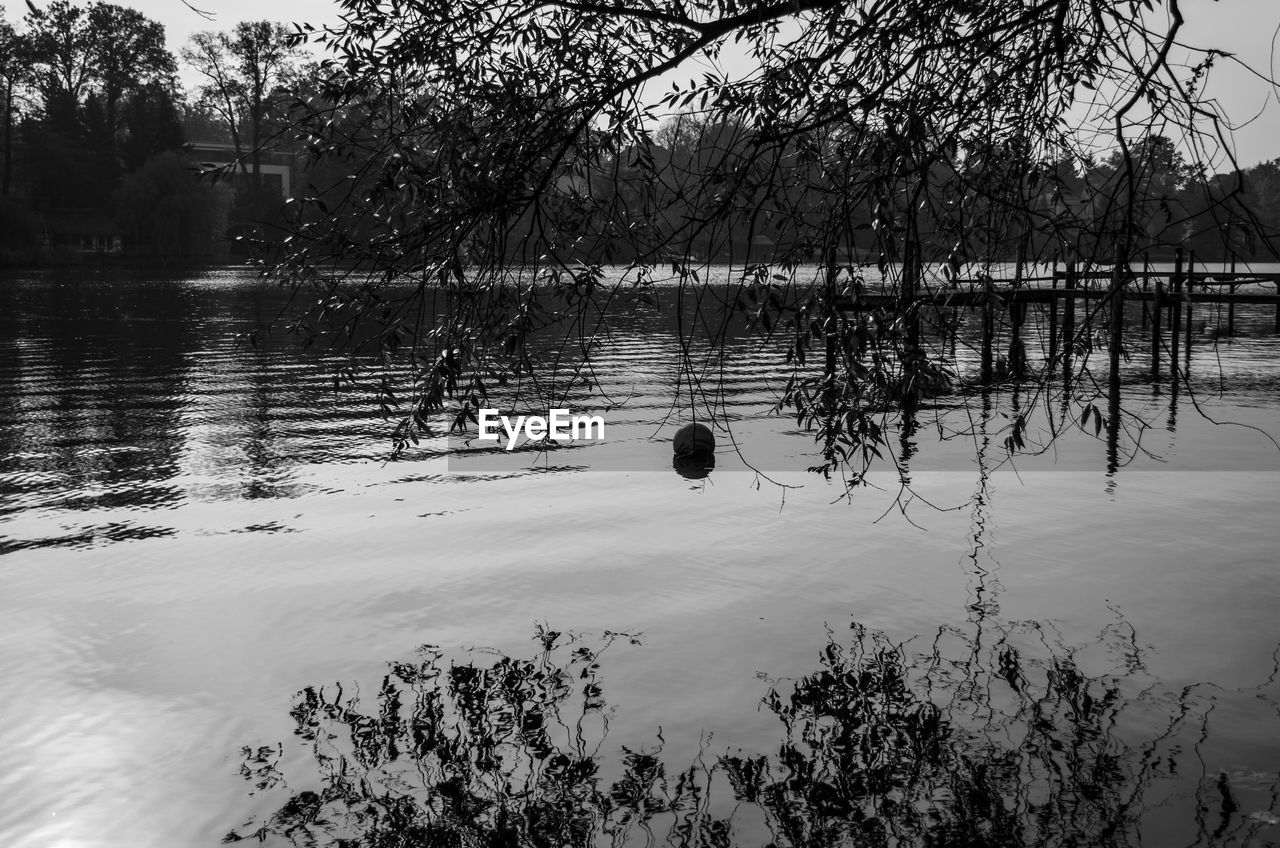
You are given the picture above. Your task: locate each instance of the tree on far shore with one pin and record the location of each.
(15, 72)
(244, 71)
(127, 53)
(87, 66)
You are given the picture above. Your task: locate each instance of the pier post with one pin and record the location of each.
(1053, 313)
(1276, 327)
(1114, 343)
(1175, 320)
(1017, 314)
(1116, 295)
(1231, 307)
(1146, 287)
(830, 326)
(1157, 312)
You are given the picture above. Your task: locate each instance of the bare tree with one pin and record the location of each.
(244, 70)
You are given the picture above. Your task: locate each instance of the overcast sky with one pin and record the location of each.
(1245, 27)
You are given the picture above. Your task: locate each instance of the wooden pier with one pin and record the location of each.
(1169, 299)
(1169, 293)
(1033, 290)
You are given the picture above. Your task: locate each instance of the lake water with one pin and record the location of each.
(194, 530)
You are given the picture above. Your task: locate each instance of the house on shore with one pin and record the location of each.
(275, 166)
(86, 231)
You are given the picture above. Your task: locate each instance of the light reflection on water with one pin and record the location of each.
(194, 530)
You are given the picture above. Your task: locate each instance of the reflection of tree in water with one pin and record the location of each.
(1001, 735)
(992, 732)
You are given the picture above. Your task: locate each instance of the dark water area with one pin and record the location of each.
(227, 611)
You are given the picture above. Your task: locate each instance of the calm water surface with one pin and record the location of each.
(193, 530)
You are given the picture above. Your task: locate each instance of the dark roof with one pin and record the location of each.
(80, 222)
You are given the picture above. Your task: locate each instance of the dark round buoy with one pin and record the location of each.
(694, 440)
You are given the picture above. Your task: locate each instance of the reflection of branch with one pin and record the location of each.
(1017, 740)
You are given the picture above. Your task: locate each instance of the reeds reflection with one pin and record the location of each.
(985, 734)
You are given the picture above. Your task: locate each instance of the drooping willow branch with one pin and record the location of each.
(492, 156)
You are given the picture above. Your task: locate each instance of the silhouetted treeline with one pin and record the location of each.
(985, 204)
(101, 148)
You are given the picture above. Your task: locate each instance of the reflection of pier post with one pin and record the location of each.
(988, 330)
(981, 501)
(1231, 307)
(1175, 319)
(1189, 288)
(1191, 264)
(1053, 315)
(906, 441)
(953, 327)
(1068, 323)
(912, 271)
